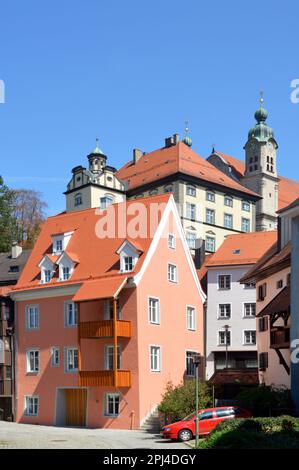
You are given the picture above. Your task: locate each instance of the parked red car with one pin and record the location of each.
(208, 419)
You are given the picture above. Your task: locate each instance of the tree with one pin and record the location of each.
(29, 215)
(8, 226)
(180, 401)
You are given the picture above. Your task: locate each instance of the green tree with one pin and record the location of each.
(180, 401)
(8, 225)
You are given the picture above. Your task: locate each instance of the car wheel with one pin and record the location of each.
(185, 435)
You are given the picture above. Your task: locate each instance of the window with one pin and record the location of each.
(223, 336)
(168, 189)
(32, 317)
(224, 310)
(155, 358)
(228, 201)
(191, 239)
(70, 314)
(106, 201)
(172, 273)
(154, 310)
(33, 361)
(210, 196)
(224, 282)
(249, 285)
(190, 191)
(249, 337)
(66, 273)
(58, 246)
(210, 244)
(245, 225)
(78, 200)
(8, 372)
(14, 269)
(128, 263)
(228, 221)
(190, 211)
(55, 357)
(279, 284)
(263, 361)
(191, 319)
(249, 310)
(108, 309)
(263, 324)
(262, 291)
(225, 412)
(71, 359)
(112, 404)
(31, 406)
(210, 216)
(47, 275)
(109, 357)
(171, 241)
(206, 415)
(190, 366)
(245, 206)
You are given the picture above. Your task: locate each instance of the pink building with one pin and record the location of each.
(104, 322)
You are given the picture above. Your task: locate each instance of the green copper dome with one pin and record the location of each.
(261, 114)
(262, 132)
(187, 140)
(97, 149)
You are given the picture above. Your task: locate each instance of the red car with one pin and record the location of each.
(207, 420)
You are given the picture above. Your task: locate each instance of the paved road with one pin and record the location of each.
(27, 436)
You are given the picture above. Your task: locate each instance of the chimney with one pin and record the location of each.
(16, 250)
(200, 252)
(173, 140)
(137, 154)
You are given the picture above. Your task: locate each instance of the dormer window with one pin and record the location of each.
(47, 269)
(66, 263)
(58, 246)
(128, 263)
(60, 242)
(66, 273)
(47, 275)
(128, 254)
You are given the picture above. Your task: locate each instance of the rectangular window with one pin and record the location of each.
(71, 359)
(191, 318)
(109, 357)
(65, 273)
(263, 361)
(263, 324)
(250, 337)
(33, 361)
(31, 406)
(210, 244)
(249, 310)
(262, 291)
(246, 206)
(190, 366)
(245, 225)
(128, 263)
(224, 338)
(108, 309)
(228, 201)
(210, 216)
(112, 404)
(47, 275)
(172, 273)
(70, 314)
(190, 211)
(224, 310)
(228, 221)
(8, 372)
(55, 357)
(191, 191)
(32, 317)
(105, 202)
(155, 358)
(154, 310)
(171, 241)
(210, 196)
(224, 282)
(58, 245)
(191, 239)
(279, 284)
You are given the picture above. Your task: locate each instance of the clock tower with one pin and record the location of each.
(260, 170)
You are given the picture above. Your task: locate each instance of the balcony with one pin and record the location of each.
(104, 378)
(280, 338)
(104, 329)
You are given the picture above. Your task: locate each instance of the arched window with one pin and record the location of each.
(78, 199)
(168, 189)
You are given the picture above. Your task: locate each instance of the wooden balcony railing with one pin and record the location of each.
(280, 338)
(104, 378)
(104, 329)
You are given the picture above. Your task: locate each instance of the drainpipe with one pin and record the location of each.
(115, 343)
(79, 342)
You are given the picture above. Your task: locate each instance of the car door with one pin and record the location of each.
(221, 415)
(204, 423)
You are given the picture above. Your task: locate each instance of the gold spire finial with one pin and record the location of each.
(186, 127)
(261, 97)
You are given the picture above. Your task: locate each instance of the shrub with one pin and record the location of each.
(179, 401)
(265, 400)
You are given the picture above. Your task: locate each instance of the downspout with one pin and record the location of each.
(115, 343)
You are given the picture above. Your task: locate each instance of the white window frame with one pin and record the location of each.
(190, 211)
(220, 317)
(212, 193)
(28, 365)
(110, 347)
(27, 313)
(228, 198)
(230, 337)
(114, 395)
(243, 206)
(211, 213)
(190, 190)
(243, 219)
(78, 197)
(106, 201)
(244, 309)
(60, 242)
(214, 243)
(66, 356)
(150, 310)
(226, 214)
(230, 282)
(127, 262)
(191, 239)
(159, 357)
(175, 280)
(193, 352)
(68, 324)
(108, 309)
(66, 273)
(171, 241)
(191, 319)
(244, 338)
(54, 362)
(36, 404)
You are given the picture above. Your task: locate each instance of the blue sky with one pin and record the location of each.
(131, 72)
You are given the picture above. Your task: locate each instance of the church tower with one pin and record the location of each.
(261, 170)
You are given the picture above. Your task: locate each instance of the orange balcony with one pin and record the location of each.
(104, 378)
(104, 329)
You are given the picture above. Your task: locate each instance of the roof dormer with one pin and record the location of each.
(128, 255)
(66, 263)
(60, 241)
(47, 268)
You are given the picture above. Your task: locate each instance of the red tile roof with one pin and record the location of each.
(288, 189)
(97, 256)
(167, 161)
(279, 304)
(244, 248)
(100, 288)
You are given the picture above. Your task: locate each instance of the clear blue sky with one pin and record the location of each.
(131, 72)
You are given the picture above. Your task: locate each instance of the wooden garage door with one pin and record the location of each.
(76, 403)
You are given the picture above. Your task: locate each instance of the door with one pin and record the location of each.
(76, 403)
(205, 421)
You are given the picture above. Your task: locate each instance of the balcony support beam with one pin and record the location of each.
(115, 342)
